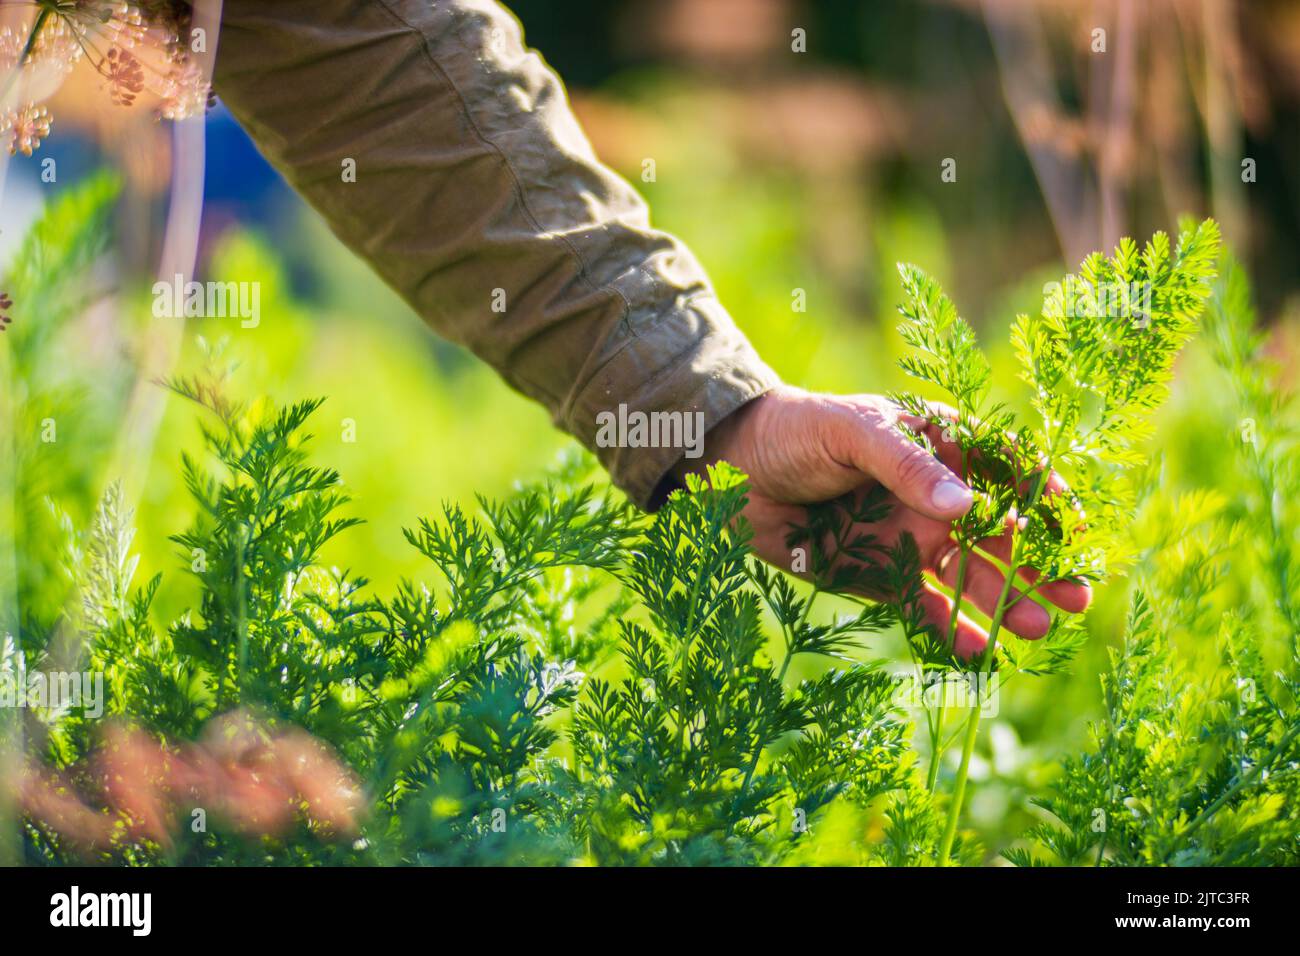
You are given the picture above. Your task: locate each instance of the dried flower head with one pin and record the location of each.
(184, 91)
(11, 48)
(6, 303)
(56, 45)
(137, 47)
(26, 128)
(125, 76)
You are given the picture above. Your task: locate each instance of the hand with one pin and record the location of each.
(253, 780)
(800, 447)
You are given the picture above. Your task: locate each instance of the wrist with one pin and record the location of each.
(723, 442)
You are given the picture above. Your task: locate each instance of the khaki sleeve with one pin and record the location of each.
(478, 198)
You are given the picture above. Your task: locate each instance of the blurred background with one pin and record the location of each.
(797, 145)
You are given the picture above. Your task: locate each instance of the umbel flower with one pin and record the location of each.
(136, 47)
(26, 128)
(125, 76)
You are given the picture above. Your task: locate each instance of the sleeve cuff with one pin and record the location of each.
(653, 402)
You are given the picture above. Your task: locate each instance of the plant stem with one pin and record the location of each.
(1241, 782)
(959, 788)
(27, 51)
(936, 733)
(936, 738)
(241, 612)
(683, 660)
(780, 679)
(973, 721)
(990, 652)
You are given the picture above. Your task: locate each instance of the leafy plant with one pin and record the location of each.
(574, 682)
(702, 754)
(1205, 778)
(445, 702)
(1097, 360)
(49, 283)
(462, 703)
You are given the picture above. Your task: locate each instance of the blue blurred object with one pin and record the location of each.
(238, 179)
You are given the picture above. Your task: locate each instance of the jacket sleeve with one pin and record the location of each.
(477, 197)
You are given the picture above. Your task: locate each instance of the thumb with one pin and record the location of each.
(874, 446)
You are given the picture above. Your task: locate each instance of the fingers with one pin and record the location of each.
(136, 773)
(331, 794)
(1070, 596)
(941, 416)
(941, 432)
(983, 585)
(867, 438)
(936, 428)
(969, 641)
(51, 800)
(254, 780)
(263, 776)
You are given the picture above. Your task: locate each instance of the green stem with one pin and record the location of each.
(683, 659)
(937, 746)
(1242, 781)
(936, 741)
(973, 721)
(936, 732)
(758, 751)
(780, 679)
(990, 653)
(241, 615)
(27, 51)
(959, 788)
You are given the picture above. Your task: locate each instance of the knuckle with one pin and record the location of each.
(917, 468)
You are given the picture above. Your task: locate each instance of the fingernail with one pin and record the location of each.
(951, 495)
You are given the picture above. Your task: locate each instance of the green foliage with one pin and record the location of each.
(465, 708)
(567, 681)
(1097, 358)
(65, 241)
(50, 281)
(701, 754)
(1204, 778)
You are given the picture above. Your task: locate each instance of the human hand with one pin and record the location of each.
(254, 781)
(800, 447)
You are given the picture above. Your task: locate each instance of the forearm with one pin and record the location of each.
(477, 197)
